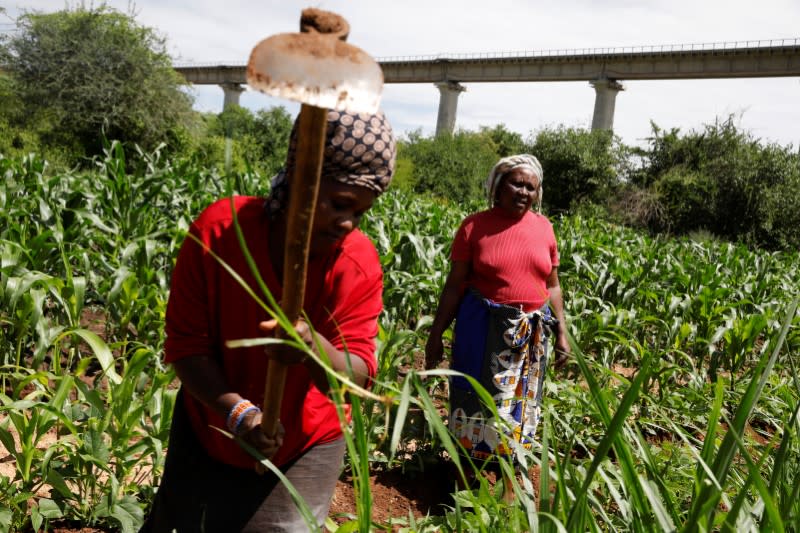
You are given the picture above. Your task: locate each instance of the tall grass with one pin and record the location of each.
(678, 412)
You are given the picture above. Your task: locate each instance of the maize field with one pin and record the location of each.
(678, 412)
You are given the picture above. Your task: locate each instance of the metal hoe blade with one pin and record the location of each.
(318, 70)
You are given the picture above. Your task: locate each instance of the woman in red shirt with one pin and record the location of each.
(209, 482)
(503, 291)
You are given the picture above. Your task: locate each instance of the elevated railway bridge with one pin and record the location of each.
(604, 68)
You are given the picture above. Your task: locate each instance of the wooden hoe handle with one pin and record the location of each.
(311, 132)
(300, 216)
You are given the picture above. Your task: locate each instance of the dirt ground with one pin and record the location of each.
(395, 494)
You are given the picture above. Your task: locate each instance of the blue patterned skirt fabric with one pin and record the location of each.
(505, 350)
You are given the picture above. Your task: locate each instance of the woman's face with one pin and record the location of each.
(339, 211)
(517, 191)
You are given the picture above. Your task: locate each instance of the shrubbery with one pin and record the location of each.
(686, 198)
(724, 181)
(452, 166)
(256, 142)
(719, 181)
(579, 166)
(83, 74)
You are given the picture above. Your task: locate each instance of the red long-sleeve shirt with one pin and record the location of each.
(207, 307)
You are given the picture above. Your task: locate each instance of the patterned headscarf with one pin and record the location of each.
(506, 165)
(359, 150)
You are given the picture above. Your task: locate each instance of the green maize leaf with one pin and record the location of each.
(56, 480)
(6, 518)
(663, 518)
(775, 520)
(128, 513)
(36, 517)
(101, 351)
(400, 417)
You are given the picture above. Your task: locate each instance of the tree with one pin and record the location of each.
(452, 166)
(271, 129)
(90, 71)
(258, 142)
(579, 166)
(265, 133)
(724, 180)
(13, 139)
(506, 142)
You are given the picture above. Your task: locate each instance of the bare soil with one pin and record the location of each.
(396, 494)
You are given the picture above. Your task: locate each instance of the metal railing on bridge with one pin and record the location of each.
(722, 46)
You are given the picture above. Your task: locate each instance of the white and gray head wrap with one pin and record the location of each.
(506, 165)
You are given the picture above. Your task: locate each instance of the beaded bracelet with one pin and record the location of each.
(237, 414)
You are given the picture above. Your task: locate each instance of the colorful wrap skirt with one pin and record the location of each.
(505, 350)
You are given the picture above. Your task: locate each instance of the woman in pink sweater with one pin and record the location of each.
(504, 293)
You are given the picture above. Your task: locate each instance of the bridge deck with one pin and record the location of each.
(747, 59)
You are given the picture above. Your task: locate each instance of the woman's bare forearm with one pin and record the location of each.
(202, 377)
(450, 298)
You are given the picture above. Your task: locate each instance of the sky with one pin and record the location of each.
(225, 31)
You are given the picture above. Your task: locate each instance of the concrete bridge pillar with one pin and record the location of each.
(605, 98)
(232, 92)
(448, 103)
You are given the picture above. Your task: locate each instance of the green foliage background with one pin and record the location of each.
(255, 141)
(723, 180)
(82, 73)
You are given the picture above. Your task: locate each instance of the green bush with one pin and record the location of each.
(20, 136)
(687, 198)
(639, 208)
(451, 166)
(89, 73)
(505, 142)
(403, 171)
(579, 166)
(779, 224)
(14, 141)
(239, 140)
(723, 180)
